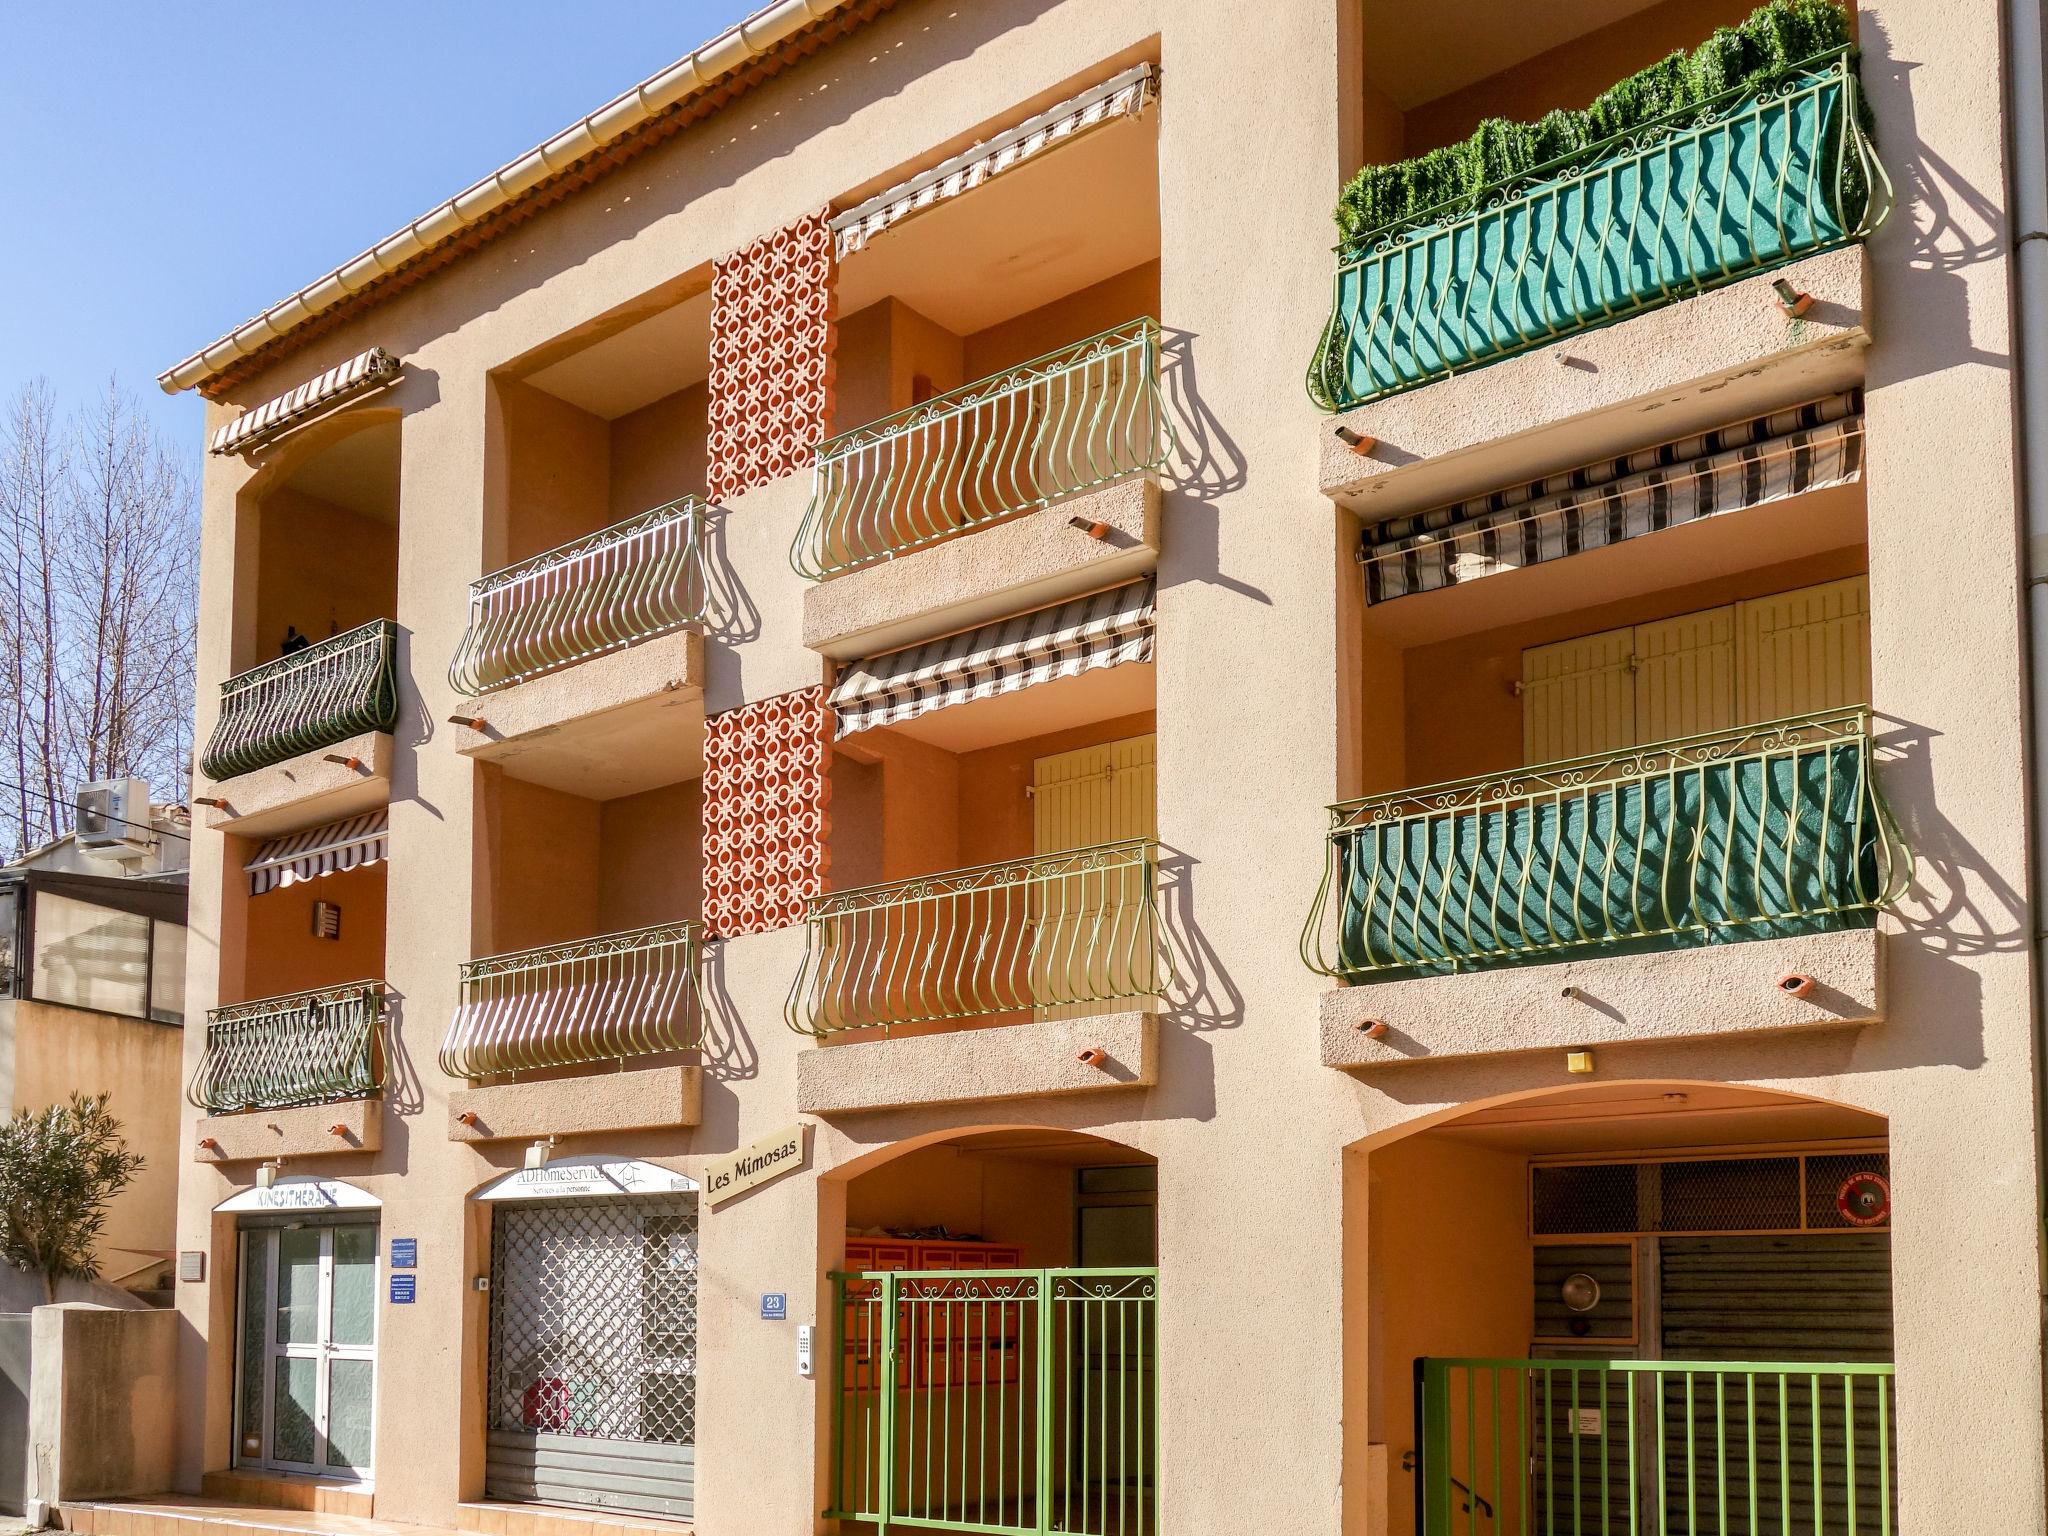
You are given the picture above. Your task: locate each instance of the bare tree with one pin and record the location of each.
(98, 578)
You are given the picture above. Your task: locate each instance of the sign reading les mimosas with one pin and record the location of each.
(757, 1163)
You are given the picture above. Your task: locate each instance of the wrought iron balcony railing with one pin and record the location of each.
(1060, 424)
(1587, 1447)
(1060, 934)
(1011, 1402)
(1708, 196)
(614, 588)
(328, 692)
(1751, 833)
(603, 999)
(302, 1048)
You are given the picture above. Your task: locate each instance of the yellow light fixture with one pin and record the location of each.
(1579, 1063)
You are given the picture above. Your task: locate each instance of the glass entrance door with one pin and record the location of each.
(308, 1348)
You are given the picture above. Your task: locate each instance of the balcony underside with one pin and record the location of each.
(309, 1130)
(1688, 366)
(1674, 994)
(308, 789)
(616, 725)
(650, 1098)
(972, 1066)
(1030, 561)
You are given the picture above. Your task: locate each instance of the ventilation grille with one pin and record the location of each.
(1791, 1193)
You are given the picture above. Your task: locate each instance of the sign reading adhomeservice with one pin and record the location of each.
(755, 1164)
(571, 1178)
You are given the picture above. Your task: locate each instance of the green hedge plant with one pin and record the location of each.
(1449, 180)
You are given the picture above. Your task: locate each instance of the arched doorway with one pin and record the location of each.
(1652, 1305)
(995, 1344)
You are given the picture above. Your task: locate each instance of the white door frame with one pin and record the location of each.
(322, 1349)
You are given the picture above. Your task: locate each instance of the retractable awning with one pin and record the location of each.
(1122, 95)
(1101, 630)
(1763, 459)
(318, 851)
(365, 371)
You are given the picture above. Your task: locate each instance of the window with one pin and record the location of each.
(90, 956)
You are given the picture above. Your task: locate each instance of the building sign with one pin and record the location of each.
(403, 1288)
(571, 1178)
(775, 1306)
(302, 1194)
(769, 1158)
(405, 1253)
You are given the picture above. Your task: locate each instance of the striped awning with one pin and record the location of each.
(1766, 458)
(1123, 95)
(1101, 630)
(365, 371)
(318, 851)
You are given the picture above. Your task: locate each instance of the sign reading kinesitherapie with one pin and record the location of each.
(753, 1165)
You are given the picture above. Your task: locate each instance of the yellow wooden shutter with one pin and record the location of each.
(1088, 926)
(1685, 675)
(1578, 697)
(1805, 651)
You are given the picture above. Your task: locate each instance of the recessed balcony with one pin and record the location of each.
(313, 1057)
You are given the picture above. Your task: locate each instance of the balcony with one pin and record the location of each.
(1698, 199)
(339, 688)
(615, 588)
(302, 1057)
(1765, 832)
(1076, 427)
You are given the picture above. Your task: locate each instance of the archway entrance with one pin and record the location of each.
(1661, 1306)
(996, 1343)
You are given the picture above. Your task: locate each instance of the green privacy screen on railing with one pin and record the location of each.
(1055, 426)
(1005, 1401)
(1754, 833)
(341, 687)
(303, 1048)
(1707, 196)
(1656, 1448)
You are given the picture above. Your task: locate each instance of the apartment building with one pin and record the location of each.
(860, 871)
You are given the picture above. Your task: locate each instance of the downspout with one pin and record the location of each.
(2026, 116)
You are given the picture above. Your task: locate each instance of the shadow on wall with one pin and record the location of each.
(1201, 995)
(728, 1054)
(404, 1092)
(729, 613)
(1957, 904)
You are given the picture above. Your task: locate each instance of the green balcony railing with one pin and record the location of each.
(623, 584)
(1059, 935)
(1063, 423)
(1751, 833)
(328, 692)
(302, 1048)
(1656, 1448)
(1004, 1401)
(1749, 181)
(602, 999)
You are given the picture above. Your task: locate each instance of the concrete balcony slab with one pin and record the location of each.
(1701, 362)
(645, 1099)
(1029, 562)
(306, 1130)
(968, 1066)
(331, 784)
(1719, 989)
(615, 725)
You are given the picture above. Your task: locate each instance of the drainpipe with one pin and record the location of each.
(2026, 116)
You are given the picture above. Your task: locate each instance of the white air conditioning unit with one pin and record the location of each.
(113, 818)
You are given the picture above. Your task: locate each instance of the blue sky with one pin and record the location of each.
(178, 165)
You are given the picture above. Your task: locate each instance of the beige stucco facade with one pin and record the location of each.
(1320, 1219)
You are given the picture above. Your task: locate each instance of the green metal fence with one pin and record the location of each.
(623, 584)
(1066, 422)
(1751, 833)
(1063, 931)
(997, 1401)
(302, 1048)
(603, 999)
(1655, 1448)
(1750, 181)
(309, 699)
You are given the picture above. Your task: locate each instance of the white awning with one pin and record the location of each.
(1101, 630)
(318, 851)
(1123, 95)
(365, 371)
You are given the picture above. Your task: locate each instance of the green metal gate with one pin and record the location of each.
(1655, 1448)
(997, 1400)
